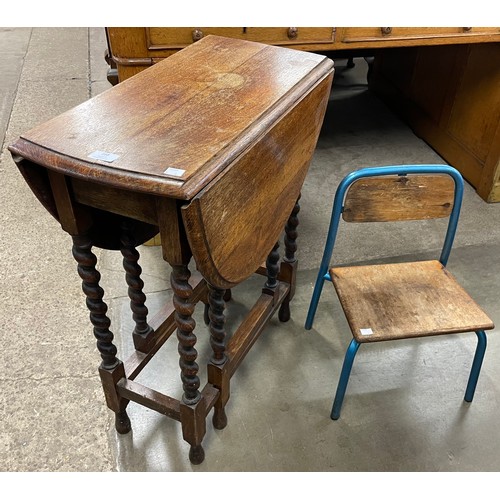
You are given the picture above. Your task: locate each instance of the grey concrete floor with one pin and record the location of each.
(404, 408)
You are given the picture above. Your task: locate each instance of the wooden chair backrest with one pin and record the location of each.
(398, 198)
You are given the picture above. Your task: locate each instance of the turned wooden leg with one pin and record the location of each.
(111, 369)
(135, 284)
(291, 233)
(217, 341)
(187, 340)
(289, 260)
(227, 298)
(216, 325)
(273, 269)
(193, 423)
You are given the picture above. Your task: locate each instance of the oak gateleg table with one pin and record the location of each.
(210, 148)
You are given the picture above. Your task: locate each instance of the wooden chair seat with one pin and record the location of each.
(400, 300)
(405, 300)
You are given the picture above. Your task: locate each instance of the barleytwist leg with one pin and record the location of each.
(82, 252)
(133, 277)
(217, 341)
(290, 259)
(291, 233)
(216, 325)
(185, 326)
(273, 268)
(227, 298)
(111, 366)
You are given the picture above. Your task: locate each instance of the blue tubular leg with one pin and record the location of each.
(330, 242)
(344, 378)
(476, 365)
(318, 287)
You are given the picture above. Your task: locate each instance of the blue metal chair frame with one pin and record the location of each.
(323, 274)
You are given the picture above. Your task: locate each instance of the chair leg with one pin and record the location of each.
(318, 287)
(476, 365)
(344, 378)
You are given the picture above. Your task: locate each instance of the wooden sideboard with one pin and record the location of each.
(443, 81)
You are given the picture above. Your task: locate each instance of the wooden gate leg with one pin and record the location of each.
(289, 265)
(291, 233)
(193, 423)
(273, 269)
(217, 341)
(135, 285)
(111, 369)
(184, 309)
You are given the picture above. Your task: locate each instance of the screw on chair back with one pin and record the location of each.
(395, 301)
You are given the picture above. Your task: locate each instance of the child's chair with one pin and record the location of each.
(401, 300)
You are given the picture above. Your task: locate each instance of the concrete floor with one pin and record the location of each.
(404, 408)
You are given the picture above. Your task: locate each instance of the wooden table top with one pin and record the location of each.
(174, 127)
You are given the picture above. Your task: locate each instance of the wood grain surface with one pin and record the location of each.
(193, 113)
(404, 300)
(234, 222)
(393, 198)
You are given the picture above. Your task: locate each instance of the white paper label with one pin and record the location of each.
(366, 331)
(174, 172)
(103, 156)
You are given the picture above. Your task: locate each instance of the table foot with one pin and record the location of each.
(122, 422)
(284, 311)
(196, 454)
(219, 419)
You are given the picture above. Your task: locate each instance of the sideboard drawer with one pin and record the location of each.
(392, 35)
(176, 38)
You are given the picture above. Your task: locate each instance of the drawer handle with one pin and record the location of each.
(467, 29)
(293, 33)
(386, 31)
(197, 35)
